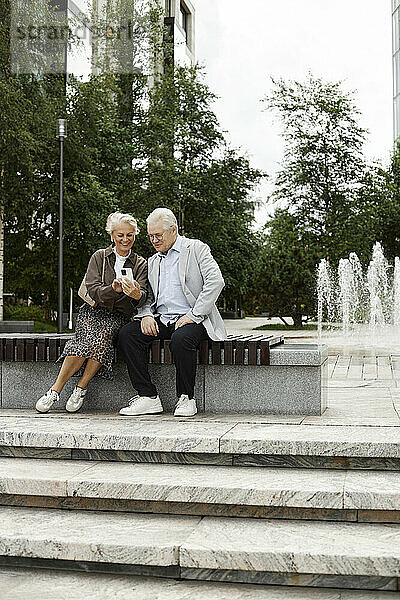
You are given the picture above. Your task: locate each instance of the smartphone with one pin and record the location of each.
(127, 274)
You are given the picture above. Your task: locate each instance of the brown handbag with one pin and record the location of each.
(83, 293)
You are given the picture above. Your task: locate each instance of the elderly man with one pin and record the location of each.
(184, 284)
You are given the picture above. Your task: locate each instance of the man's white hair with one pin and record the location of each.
(116, 219)
(164, 215)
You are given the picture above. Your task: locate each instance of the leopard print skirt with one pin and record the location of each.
(96, 333)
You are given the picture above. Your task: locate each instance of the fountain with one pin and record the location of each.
(360, 308)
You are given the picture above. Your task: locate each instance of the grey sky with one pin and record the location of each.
(243, 44)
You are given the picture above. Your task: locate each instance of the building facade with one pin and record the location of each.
(69, 39)
(396, 67)
(78, 60)
(179, 20)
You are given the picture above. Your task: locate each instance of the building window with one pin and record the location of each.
(58, 5)
(184, 19)
(396, 115)
(396, 74)
(396, 31)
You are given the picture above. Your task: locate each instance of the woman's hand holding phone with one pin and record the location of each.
(131, 289)
(117, 286)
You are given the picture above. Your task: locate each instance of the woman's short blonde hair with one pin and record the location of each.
(117, 218)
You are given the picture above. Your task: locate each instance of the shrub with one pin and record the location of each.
(20, 312)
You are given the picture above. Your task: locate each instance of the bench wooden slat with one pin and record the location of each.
(239, 354)
(30, 350)
(228, 353)
(42, 349)
(167, 353)
(20, 350)
(9, 350)
(53, 349)
(252, 353)
(156, 352)
(216, 353)
(264, 353)
(246, 338)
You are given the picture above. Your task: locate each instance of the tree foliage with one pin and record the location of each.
(130, 147)
(284, 275)
(384, 194)
(323, 165)
(329, 197)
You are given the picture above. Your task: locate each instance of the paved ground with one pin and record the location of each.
(363, 386)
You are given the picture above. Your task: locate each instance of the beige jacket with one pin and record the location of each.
(202, 283)
(103, 293)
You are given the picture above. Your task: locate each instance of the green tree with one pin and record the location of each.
(190, 168)
(383, 192)
(284, 274)
(99, 152)
(329, 197)
(98, 155)
(28, 155)
(323, 166)
(28, 108)
(131, 146)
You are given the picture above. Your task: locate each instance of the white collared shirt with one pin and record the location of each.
(171, 301)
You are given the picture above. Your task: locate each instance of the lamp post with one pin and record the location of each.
(177, 158)
(61, 134)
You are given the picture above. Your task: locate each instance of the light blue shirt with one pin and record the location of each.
(171, 301)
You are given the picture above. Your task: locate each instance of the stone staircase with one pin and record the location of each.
(205, 508)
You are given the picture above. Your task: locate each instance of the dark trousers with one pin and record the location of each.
(184, 343)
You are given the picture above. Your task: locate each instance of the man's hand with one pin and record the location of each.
(149, 326)
(116, 285)
(183, 321)
(131, 290)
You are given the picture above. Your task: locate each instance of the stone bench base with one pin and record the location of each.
(17, 326)
(294, 384)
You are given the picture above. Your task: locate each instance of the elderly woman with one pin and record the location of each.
(115, 300)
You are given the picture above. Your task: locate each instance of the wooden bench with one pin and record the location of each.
(244, 374)
(236, 350)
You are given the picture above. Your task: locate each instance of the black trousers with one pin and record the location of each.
(184, 343)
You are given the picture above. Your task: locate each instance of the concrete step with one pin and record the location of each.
(220, 442)
(202, 489)
(37, 584)
(320, 554)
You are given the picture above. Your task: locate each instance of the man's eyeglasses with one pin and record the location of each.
(158, 236)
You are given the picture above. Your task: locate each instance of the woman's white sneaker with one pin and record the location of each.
(142, 405)
(44, 404)
(75, 400)
(185, 407)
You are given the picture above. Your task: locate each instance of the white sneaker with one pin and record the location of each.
(44, 404)
(76, 399)
(142, 405)
(185, 407)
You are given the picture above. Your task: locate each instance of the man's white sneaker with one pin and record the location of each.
(44, 404)
(142, 405)
(75, 400)
(185, 407)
